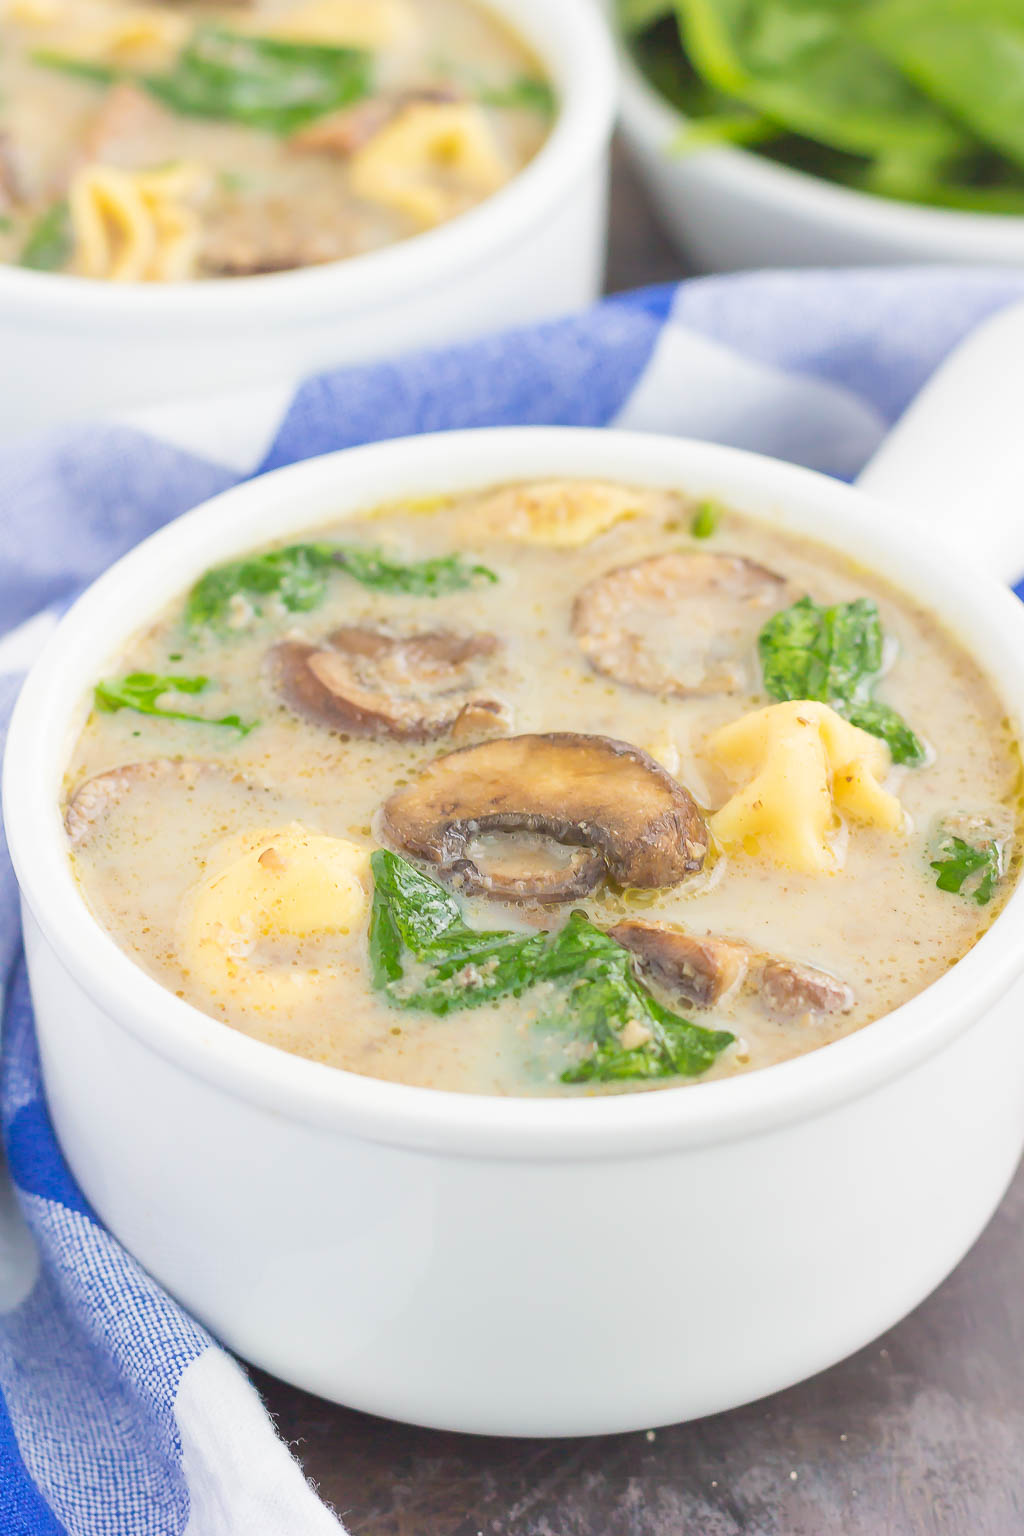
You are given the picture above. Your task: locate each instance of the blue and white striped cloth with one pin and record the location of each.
(119, 1415)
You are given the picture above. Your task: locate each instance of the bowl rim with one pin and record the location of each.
(49, 713)
(574, 46)
(652, 118)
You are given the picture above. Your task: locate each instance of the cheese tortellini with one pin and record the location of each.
(430, 162)
(136, 226)
(267, 891)
(562, 513)
(801, 764)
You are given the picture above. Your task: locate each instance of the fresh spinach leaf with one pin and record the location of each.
(959, 863)
(49, 244)
(297, 577)
(919, 100)
(602, 999)
(419, 578)
(261, 82)
(835, 655)
(967, 56)
(424, 955)
(142, 692)
(804, 64)
(638, 15)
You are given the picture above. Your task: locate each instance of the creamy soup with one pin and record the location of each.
(160, 142)
(559, 788)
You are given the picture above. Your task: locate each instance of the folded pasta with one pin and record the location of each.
(804, 766)
(136, 226)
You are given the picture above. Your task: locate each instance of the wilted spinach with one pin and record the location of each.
(297, 577)
(424, 955)
(835, 656)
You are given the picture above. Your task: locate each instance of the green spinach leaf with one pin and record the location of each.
(142, 692)
(424, 955)
(261, 82)
(960, 863)
(49, 244)
(804, 64)
(918, 100)
(967, 56)
(835, 655)
(297, 577)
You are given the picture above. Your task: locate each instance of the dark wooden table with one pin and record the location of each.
(922, 1434)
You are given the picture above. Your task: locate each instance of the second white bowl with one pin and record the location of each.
(72, 346)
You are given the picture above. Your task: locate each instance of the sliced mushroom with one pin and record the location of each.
(369, 683)
(92, 801)
(683, 623)
(702, 970)
(637, 824)
(243, 237)
(787, 989)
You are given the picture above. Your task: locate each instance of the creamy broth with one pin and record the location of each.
(787, 950)
(160, 142)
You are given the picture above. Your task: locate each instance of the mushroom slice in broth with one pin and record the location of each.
(366, 682)
(682, 623)
(641, 827)
(95, 799)
(705, 970)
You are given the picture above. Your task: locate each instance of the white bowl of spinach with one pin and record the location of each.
(815, 132)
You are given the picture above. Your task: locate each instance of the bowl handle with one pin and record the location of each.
(954, 462)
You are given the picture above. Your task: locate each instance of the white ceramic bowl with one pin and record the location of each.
(72, 346)
(516, 1266)
(728, 209)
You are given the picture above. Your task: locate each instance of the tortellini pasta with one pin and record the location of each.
(136, 226)
(562, 513)
(370, 24)
(273, 887)
(802, 764)
(430, 161)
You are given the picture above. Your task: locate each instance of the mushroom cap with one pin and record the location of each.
(641, 827)
(681, 623)
(366, 682)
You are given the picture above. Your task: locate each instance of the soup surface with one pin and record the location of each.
(160, 142)
(557, 788)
